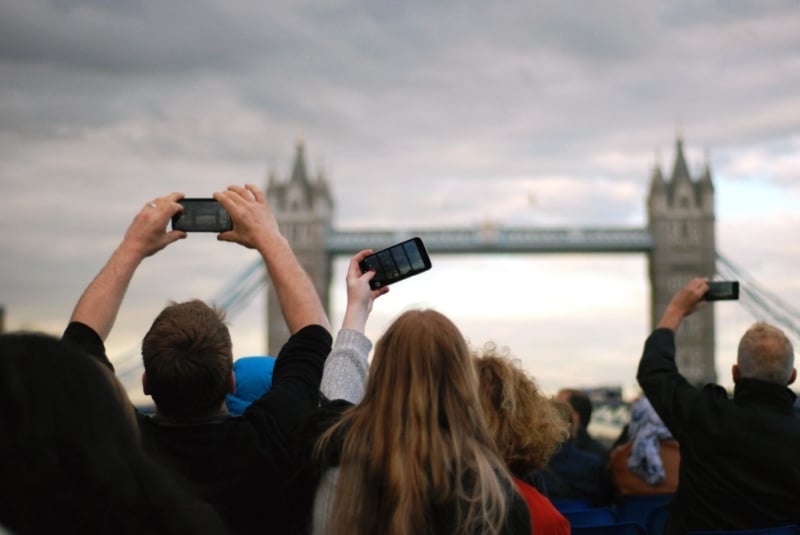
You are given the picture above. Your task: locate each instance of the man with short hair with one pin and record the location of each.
(739, 465)
(188, 332)
(237, 464)
(582, 408)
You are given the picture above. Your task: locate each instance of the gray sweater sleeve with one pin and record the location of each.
(345, 372)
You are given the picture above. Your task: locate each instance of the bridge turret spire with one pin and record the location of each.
(705, 182)
(299, 173)
(680, 171)
(657, 182)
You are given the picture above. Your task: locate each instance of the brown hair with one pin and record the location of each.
(525, 424)
(188, 357)
(418, 440)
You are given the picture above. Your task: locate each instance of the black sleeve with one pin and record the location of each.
(298, 494)
(667, 390)
(85, 339)
(295, 386)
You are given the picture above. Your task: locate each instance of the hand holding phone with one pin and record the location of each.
(202, 215)
(397, 262)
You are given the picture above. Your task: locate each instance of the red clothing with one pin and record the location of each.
(545, 518)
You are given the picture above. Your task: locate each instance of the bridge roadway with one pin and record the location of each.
(495, 239)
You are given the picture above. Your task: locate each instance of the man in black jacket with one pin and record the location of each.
(740, 460)
(237, 464)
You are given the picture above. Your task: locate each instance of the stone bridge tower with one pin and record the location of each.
(304, 209)
(681, 223)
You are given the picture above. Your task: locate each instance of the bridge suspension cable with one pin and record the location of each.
(760, 303)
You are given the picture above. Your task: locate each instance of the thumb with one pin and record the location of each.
(175, 235)
(225, 236)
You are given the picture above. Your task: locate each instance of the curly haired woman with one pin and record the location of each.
(526, 427)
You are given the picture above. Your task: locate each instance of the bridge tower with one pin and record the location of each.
(681, 223)
(304, 209)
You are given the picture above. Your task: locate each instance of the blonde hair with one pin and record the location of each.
(526, 426)
(765, 353)
(418, 440)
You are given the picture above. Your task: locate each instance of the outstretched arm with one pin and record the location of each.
(345, 372)
(685, 302)
(255, 227)
(668, 391)
(100, 302)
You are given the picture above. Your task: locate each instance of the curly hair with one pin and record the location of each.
(524, 422)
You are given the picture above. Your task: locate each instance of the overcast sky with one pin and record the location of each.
(419, 114)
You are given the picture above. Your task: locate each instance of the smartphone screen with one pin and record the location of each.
(202, 215)
(397, 262)
(722, 291)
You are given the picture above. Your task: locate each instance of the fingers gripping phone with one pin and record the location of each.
(202, 215)
(396, 263)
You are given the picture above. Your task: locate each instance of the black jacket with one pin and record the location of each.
(740, 456)
(238, 464)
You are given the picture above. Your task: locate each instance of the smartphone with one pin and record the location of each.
(397, 262)
(202, 215)
(722, 291)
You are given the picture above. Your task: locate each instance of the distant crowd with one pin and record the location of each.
(418, 434)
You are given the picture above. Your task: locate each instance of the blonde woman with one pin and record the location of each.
(526, 427)
(405, 449)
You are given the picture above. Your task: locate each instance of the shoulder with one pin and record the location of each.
(311, 334)
(543, 513)
(82, 337)
(312, 341)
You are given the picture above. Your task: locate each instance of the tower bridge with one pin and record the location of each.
(494, 239)
(678, 240)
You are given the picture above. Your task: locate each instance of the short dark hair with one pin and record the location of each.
(188, 357)
(581, 403)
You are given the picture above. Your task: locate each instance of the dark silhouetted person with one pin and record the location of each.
(582, 408)
(70, 457)
(572, 472)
